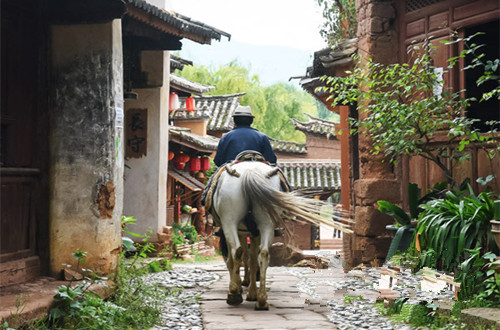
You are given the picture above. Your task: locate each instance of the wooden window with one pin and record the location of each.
(482, 110)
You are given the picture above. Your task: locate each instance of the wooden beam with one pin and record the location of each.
(81, 12)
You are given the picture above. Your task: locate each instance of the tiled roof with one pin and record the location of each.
(312, 173)
(179, 25)
(316, 126)
(184, 136)
(219, 108)
(326, 60)
(340, 54)
(288, 146)
(186, 179)
(177, 62)
(188, 86)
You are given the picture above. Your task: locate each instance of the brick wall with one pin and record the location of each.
(377, 40)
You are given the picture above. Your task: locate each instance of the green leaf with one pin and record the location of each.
(394, 211)
(395, 241)
(413, 199)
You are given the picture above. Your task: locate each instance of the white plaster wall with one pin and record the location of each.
(145, 195)
(85, 144)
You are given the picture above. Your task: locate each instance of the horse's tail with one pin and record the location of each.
(258, 189)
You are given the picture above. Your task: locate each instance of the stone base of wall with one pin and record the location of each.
(19, 271)
(370, 241)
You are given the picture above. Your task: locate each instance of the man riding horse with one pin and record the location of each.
(242, 138)
(248, 198)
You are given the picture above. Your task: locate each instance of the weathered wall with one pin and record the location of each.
(378, 40)
(319, 147)
(86, 147)
(197, 127)
(146, 177)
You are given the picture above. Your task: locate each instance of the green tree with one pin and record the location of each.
(406, 111)
(273, 106)
(340, 20)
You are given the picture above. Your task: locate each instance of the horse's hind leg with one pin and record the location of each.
(233, 265)
(254, 267)
(246, 261)
(263, 257)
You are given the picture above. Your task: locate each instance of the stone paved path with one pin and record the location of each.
(289, 308)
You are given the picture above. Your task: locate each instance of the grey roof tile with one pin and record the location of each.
(309, 174)
(177, 62)
(188, 86)
(180, 22)
(316, 126)
(219, 109)
(288, 146)
(181, 134)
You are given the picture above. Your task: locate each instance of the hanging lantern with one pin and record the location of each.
(180, 160)
(205, 164)
(195, 164)
(183, 158)
(171, 155)
(173, 101)
(189, 104)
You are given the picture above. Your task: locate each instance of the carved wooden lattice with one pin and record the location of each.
(412, 5)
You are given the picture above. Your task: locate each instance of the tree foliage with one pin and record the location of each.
(273, 105)
(340, 20)
(406, 110)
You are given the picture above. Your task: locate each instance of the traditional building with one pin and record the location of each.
(82, 80)
(385, 31)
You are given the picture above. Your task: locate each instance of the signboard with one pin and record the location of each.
(136, 129)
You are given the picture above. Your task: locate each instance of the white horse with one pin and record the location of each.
(248, 202)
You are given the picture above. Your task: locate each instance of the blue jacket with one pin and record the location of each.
(243, 138)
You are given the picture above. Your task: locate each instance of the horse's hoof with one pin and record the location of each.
(234, 299)
(261, 307)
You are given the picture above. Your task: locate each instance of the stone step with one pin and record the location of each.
(167, 230)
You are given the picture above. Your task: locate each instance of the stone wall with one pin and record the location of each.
(378, 40)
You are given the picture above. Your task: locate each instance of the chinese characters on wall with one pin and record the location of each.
(136, 123)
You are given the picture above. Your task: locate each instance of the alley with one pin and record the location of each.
(299, 298)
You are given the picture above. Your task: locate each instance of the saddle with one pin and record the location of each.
(247, 155)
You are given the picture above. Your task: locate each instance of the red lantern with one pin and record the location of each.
(180, 160)
(205, 164)
(183, 158)
(189, 104)
(171, 155)
(195, 164)
(173, 101)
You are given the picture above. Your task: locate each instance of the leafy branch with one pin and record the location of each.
(406, 110)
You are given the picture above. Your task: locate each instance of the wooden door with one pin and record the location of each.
(24, 142)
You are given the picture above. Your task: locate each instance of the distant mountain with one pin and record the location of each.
(270, 63)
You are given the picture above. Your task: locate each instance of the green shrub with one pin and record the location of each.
(450, 226)
(184, 234)
(134, 304)
(419, 316)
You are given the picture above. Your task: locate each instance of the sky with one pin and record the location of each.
(276, 39)
(292, 23)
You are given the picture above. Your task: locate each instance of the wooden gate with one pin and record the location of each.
(24, 143)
